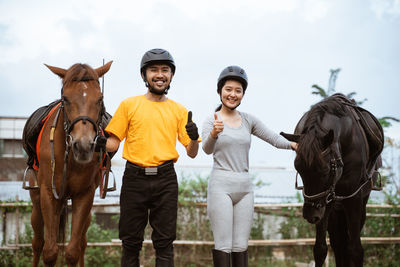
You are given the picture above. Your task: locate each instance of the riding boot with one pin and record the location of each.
(240, 259)
(221, 258)
(129, 258)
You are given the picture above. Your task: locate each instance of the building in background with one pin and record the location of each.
(12, 154)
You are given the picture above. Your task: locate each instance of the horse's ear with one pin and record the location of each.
(327, 140)
(291, 137)
(58, 71)
(103, 69)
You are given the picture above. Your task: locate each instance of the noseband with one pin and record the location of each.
(69, 125)
(324, 198)
(328, 195)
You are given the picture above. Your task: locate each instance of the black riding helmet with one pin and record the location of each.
(232, 73)
(154, 56)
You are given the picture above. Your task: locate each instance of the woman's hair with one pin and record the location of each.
(218, 108)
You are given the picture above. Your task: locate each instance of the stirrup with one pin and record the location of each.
(104, 182)
(28, 187)
(376, 185)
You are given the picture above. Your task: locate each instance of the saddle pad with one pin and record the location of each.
(44, 122)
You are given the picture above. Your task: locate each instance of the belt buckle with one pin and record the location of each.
(150, 170)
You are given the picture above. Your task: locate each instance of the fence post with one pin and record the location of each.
(17, 232)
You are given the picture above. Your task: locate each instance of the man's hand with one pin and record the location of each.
(101, 142)
(191, 128)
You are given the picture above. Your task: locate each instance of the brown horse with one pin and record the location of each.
(68, 166)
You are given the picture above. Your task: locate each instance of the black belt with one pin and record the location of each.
(154, 170)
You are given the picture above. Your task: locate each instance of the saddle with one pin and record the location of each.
(32, 129)
(371, 129)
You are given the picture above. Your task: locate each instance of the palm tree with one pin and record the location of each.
(318, 90)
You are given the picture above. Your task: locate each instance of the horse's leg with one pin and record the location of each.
(84, 242)
(320, 249)
(37, 226)
(81, 206)
(355, 217)
(50, 209)
(337, 230)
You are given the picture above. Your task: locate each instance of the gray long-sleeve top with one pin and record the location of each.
(231, 148)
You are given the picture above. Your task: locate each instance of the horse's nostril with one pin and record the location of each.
(75, 145)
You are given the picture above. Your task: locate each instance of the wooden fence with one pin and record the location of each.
(263, 208)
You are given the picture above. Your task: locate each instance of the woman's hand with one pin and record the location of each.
(218, 127)
(293, 146)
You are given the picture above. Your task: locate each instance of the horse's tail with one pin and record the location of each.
(62, 229)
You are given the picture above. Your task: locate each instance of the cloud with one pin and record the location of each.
(55, 27)
(226, 8)
(49, 27)
(385, 7)
(314, 10)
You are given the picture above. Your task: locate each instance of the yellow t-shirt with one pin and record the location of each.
(150, 128)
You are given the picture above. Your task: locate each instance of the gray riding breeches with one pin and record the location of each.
(230, 209)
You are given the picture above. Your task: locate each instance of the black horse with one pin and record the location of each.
(339, 146)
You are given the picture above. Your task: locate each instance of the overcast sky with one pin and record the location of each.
(285, 47)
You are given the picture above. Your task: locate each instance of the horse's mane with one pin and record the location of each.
(311, 144)
(79, 72)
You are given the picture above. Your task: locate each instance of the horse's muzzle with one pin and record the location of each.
(83, 150)
(313, 214)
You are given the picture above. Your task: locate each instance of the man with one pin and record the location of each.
(150, 125)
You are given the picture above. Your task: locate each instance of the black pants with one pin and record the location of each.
(152, 198)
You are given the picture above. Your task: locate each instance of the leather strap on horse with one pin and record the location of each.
(339, 198)
(53, 161)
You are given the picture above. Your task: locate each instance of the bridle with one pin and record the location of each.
(68, 127)
(323, 198)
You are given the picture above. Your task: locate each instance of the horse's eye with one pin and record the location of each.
(66, 101)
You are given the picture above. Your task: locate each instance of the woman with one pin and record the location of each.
(227, 135)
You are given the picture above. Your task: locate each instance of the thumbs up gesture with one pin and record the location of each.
(191, 128)
(217, 127)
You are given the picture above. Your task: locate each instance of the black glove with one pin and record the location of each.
(191, 128)
(101, 142)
